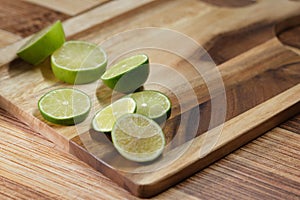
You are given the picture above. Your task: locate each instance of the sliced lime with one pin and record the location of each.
(152, 104)
(65, 106)
(138, 138)
(128, 74)
(105, 118)
(78, 62)
(42, 44)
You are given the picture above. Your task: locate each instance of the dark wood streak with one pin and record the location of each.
(24, 18)
(292, 125)
(230, 3)
(228, 45)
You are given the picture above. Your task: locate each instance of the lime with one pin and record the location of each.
(42, 44)
(152, 104)
(138, 138)
(105, 118)
(65, 106)
(128, 74)
(78, 62)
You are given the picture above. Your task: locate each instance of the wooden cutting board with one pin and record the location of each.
(261, 77)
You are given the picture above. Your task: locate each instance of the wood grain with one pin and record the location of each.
(259, 72)
(230, 3)
(263, 169)
(69, 7)
(24, 18)
(198, 153)
(7, 38)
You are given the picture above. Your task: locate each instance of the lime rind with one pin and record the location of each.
(129, 79)
(42, 44)
(105, 118)
(138, 138)
(125, 66)
(70, 117)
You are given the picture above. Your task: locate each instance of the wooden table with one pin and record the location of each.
(32, 167)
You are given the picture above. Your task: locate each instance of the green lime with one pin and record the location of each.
(42, 44)
(78, 62)
(128, 74)
(138, 138)
(105, 118)
(152, 104)
(65, 106)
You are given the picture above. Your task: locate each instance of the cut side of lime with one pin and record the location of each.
(42, 44)
(138, 138)
(152, 104)
(78, 62)
(106, 118)
(128, 74)
(65, 106)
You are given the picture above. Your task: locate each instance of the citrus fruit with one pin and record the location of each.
(105, 118)
(128, 74)
(42, 44)
(65, 106)
(78, 62)
(152, 104)
(138, 138)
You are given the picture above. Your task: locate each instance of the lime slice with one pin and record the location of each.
(128, 74)
(138, 138)
(65, 106)
(152, 104)
(42, 44)
(78, 62)
(105, 118)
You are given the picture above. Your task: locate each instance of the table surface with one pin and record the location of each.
(32, 167)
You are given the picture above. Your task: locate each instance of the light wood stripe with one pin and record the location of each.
(7, 38)
(31, 168)
(70, 7)
(247, 172)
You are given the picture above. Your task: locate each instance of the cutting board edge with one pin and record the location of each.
(36, 124)
(151, 189)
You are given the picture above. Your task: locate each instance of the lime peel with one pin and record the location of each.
(42, 44)
(128, 74)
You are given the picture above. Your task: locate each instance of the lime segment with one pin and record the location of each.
(42, 44)
(78, 62)
(152, 104)
(138, 138)
(105, 118)
(65, 106)
(128, 74)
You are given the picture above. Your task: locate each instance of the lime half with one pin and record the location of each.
(106, 118)
(128, 74)
(152, 104)
(138, 138)
(42, 44)
(65, 106)
(78, 62)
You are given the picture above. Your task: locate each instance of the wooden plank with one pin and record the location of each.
(24, 19)
(69, 7)
(99, 15)
(262, 169)
(32, 169)
(7, 38)
(199, 152)
(264, 72)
